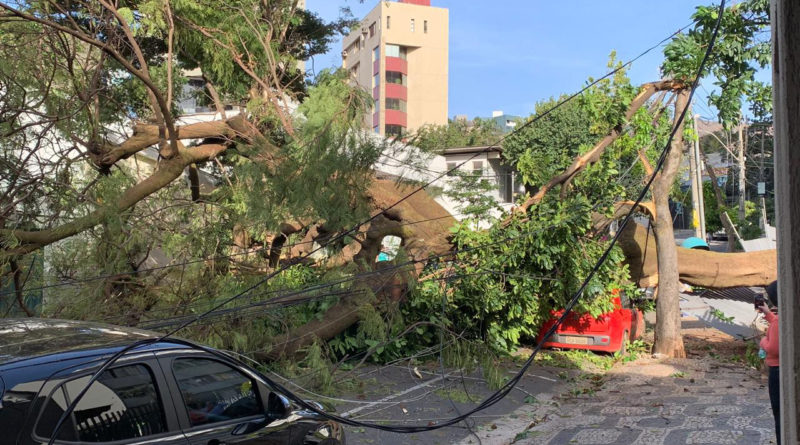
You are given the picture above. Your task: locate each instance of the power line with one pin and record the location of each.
(396, 268)
(491, 400)
(442, 174)
(211, 258)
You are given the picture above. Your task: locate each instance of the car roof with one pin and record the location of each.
(27, 338)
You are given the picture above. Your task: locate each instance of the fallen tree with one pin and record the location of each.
(421, 224)
(697, 267)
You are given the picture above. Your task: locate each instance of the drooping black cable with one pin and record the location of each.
(498, 395)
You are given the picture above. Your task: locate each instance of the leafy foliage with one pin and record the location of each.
(457, 133)
(741, 49)
(503, 291)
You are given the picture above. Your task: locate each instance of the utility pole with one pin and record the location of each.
(701, 209)
(742, 172)
(696, 186)
(785, 24)
(762, 186)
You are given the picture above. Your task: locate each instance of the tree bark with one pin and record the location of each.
(427, 236)
(18, 284)
(596, 152)
(145, 135)
(696, 267)
(168, 171)
(668, 340)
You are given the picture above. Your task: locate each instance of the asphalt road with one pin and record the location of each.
(397, 395)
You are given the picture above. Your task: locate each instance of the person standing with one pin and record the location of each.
(770, 345)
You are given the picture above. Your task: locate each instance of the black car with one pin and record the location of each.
(162, 393)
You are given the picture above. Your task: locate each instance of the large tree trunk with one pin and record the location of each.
(426, 235)
(168, 171)
(696, 267)
(668, 340)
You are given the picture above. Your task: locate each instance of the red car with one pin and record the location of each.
(606, 333)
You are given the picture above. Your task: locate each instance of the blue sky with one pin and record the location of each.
(509, 54)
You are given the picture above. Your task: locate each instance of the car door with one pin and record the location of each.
(128, 404)
(220, 402)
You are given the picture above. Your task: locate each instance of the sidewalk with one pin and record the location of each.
(705, 399)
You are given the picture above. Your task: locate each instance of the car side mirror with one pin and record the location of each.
(278, 407)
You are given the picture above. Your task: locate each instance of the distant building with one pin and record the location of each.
(400, 54)
(487, 162)
(504, 122)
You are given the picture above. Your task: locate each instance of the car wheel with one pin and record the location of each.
(622, 347)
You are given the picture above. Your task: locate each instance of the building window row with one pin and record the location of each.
(396, 51)
(396, 77)
(395, 104)
(413, 25)
(394, 131)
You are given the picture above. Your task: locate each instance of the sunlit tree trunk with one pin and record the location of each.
(668, 340)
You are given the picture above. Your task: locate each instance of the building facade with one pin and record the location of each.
(400, 54)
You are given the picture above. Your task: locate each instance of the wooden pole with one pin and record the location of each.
(785, 16)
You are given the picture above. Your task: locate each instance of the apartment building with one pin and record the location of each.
(400, 54)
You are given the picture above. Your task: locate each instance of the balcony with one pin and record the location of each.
(396, 117)
(396, 91)
(396, 64)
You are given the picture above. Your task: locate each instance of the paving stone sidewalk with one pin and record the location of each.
(650, 401)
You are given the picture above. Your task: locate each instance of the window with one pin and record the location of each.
(394, 131)
(122, 404)
(396, 51)
(412, 25)
(372, 29)
(451, 169)
(505, 184)
(376, 53)
(51, 413)
(354, 71)
(376, 80)
(388, 22)
(425, 26)
(214, 392)
(376, 129)
(395, 104)
(377, 105)
(395, 77)
(477, 168)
